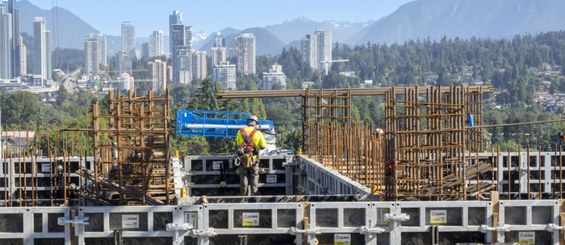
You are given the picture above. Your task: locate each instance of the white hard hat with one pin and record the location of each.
(252, 119)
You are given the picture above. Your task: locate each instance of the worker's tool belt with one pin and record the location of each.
(246, 160)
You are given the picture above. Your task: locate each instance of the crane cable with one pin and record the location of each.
(518, 124)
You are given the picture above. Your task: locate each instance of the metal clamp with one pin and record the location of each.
(553, 227)
(76, 221)
(500, 228)
(293, 231)
(207, 233)
(179, 227)
(396, 218)
(370, 231)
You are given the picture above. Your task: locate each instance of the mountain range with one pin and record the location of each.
(420, 19)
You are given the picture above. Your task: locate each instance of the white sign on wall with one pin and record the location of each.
(342, 239)
(271, 178)
(528, 238)
(250, 219)
(216, 165)
(130, 221)
(45, 168)
(438, 216)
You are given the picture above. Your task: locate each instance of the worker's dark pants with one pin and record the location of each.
(249, 179)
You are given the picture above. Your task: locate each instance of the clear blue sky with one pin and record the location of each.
(214, 15)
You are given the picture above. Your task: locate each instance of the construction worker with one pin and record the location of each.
(249, 141)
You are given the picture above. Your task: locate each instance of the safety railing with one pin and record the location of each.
(362, 222)
(531, 222)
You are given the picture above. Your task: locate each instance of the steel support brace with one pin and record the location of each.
(501, 228)
(397, 218)
(370, 233)
(555, 228)
(62, 221)
(293, 231)
(205, 233)
(310, 232)
(78, 222)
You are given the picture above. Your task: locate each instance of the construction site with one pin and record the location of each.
(424, 178)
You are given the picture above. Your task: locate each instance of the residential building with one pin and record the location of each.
(275, 78)
(307, 45)
(103, 58)
(92, 56)
(125, 82)
(316, 49)
(245, 49)
(199, 66)
(226, 75)
(156, 44)
(124, 64)
(6, 36)
(41, 49)
(218, 55)
(23, 58)
(10, 48)
(158, 75)
(128, 39)
(145, 50)
(219, 40)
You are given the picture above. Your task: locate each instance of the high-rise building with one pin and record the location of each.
(188, 36)
(316, 49)
(156, 44)
(16, 54)
(219, 40)
(145, 50)
(92, 55)
(95, 53)
(245, 49)
(103, 58)
(306, 45)
(123, 63)
(199, 67)
(10, 59)
(275, 78)
(218, 55)
(5, 42)
(184, 65)
(158, 74)
(128, 39)
(181, 55)
(226, 75)
(324, 48)
(41, 49)
(174, 19)
(23, 58)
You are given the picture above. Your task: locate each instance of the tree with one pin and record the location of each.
(20, 110)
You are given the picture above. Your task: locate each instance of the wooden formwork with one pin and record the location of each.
(427, 141)
(131, 151)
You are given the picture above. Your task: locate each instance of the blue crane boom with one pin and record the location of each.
(215, 123)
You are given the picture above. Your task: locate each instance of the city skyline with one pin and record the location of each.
(226, 13)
